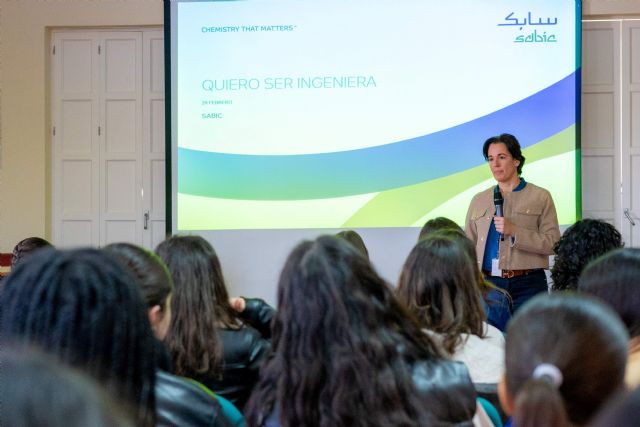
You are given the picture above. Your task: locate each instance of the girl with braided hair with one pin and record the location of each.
(84, 309)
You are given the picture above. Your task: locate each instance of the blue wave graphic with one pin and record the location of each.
(375, 169)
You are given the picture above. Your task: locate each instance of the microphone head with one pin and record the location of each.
(497, 198)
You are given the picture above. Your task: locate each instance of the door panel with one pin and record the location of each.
(121, 141)
(600, 135)
(101, 136)
(76, 127)
(631, 128)
(75, 117)
(121, 126)
(77, 70)
(153, 142)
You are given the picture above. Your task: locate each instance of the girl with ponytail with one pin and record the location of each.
(565, 357)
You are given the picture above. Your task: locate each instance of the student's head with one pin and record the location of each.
(199, 306)
(615, 279)
(340, 340)
(584, 241)
(438, 224)
(356, 240)
(512, 146)
(458, 235)
(82, 307)
(39, 392)
(154, 280)
(565, 356)
(25, 248)
(623, 411)
(439, 285)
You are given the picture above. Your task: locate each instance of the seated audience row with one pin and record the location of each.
(343, 349)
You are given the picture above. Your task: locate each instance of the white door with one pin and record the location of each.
(104, 86)
(630, 124)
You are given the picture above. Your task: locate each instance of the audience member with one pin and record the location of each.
(38, 392)
(565, 357)
(437, 224)
(81, 307)
(347, 353)
(496, 302)
(208, 339)
(584, 241)
(25, 248)
(621, 412)
(615, 279)
(438, 284)
(156, 286)
(355, 239)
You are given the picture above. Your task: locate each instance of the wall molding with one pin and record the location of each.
(611, 8)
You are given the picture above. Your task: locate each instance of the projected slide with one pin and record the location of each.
(334, 113)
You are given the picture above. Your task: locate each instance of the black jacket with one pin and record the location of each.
(181, 403)
(244, 350)
(445, 388)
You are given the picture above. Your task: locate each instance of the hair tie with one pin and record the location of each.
(548, 372)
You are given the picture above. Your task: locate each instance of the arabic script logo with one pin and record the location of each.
(535, 35)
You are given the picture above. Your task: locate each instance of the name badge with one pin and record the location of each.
(495, 269)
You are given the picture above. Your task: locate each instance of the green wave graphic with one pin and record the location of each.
(406, 205)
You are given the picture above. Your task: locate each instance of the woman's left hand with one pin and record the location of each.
(504, 226)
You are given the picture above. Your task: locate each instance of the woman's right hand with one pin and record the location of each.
(238, 304)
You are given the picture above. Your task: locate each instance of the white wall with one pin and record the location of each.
(610, 7)
(25, 157)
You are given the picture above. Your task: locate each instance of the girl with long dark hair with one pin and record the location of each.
(438, 284)
(346, 352)
(208, 339)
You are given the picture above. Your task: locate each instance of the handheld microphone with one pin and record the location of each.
(498, 201)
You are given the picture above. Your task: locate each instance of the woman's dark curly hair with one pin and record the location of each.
(341, 343)
(584, 241)
(82, 307)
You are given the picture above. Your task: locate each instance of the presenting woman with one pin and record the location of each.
(513, 248)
